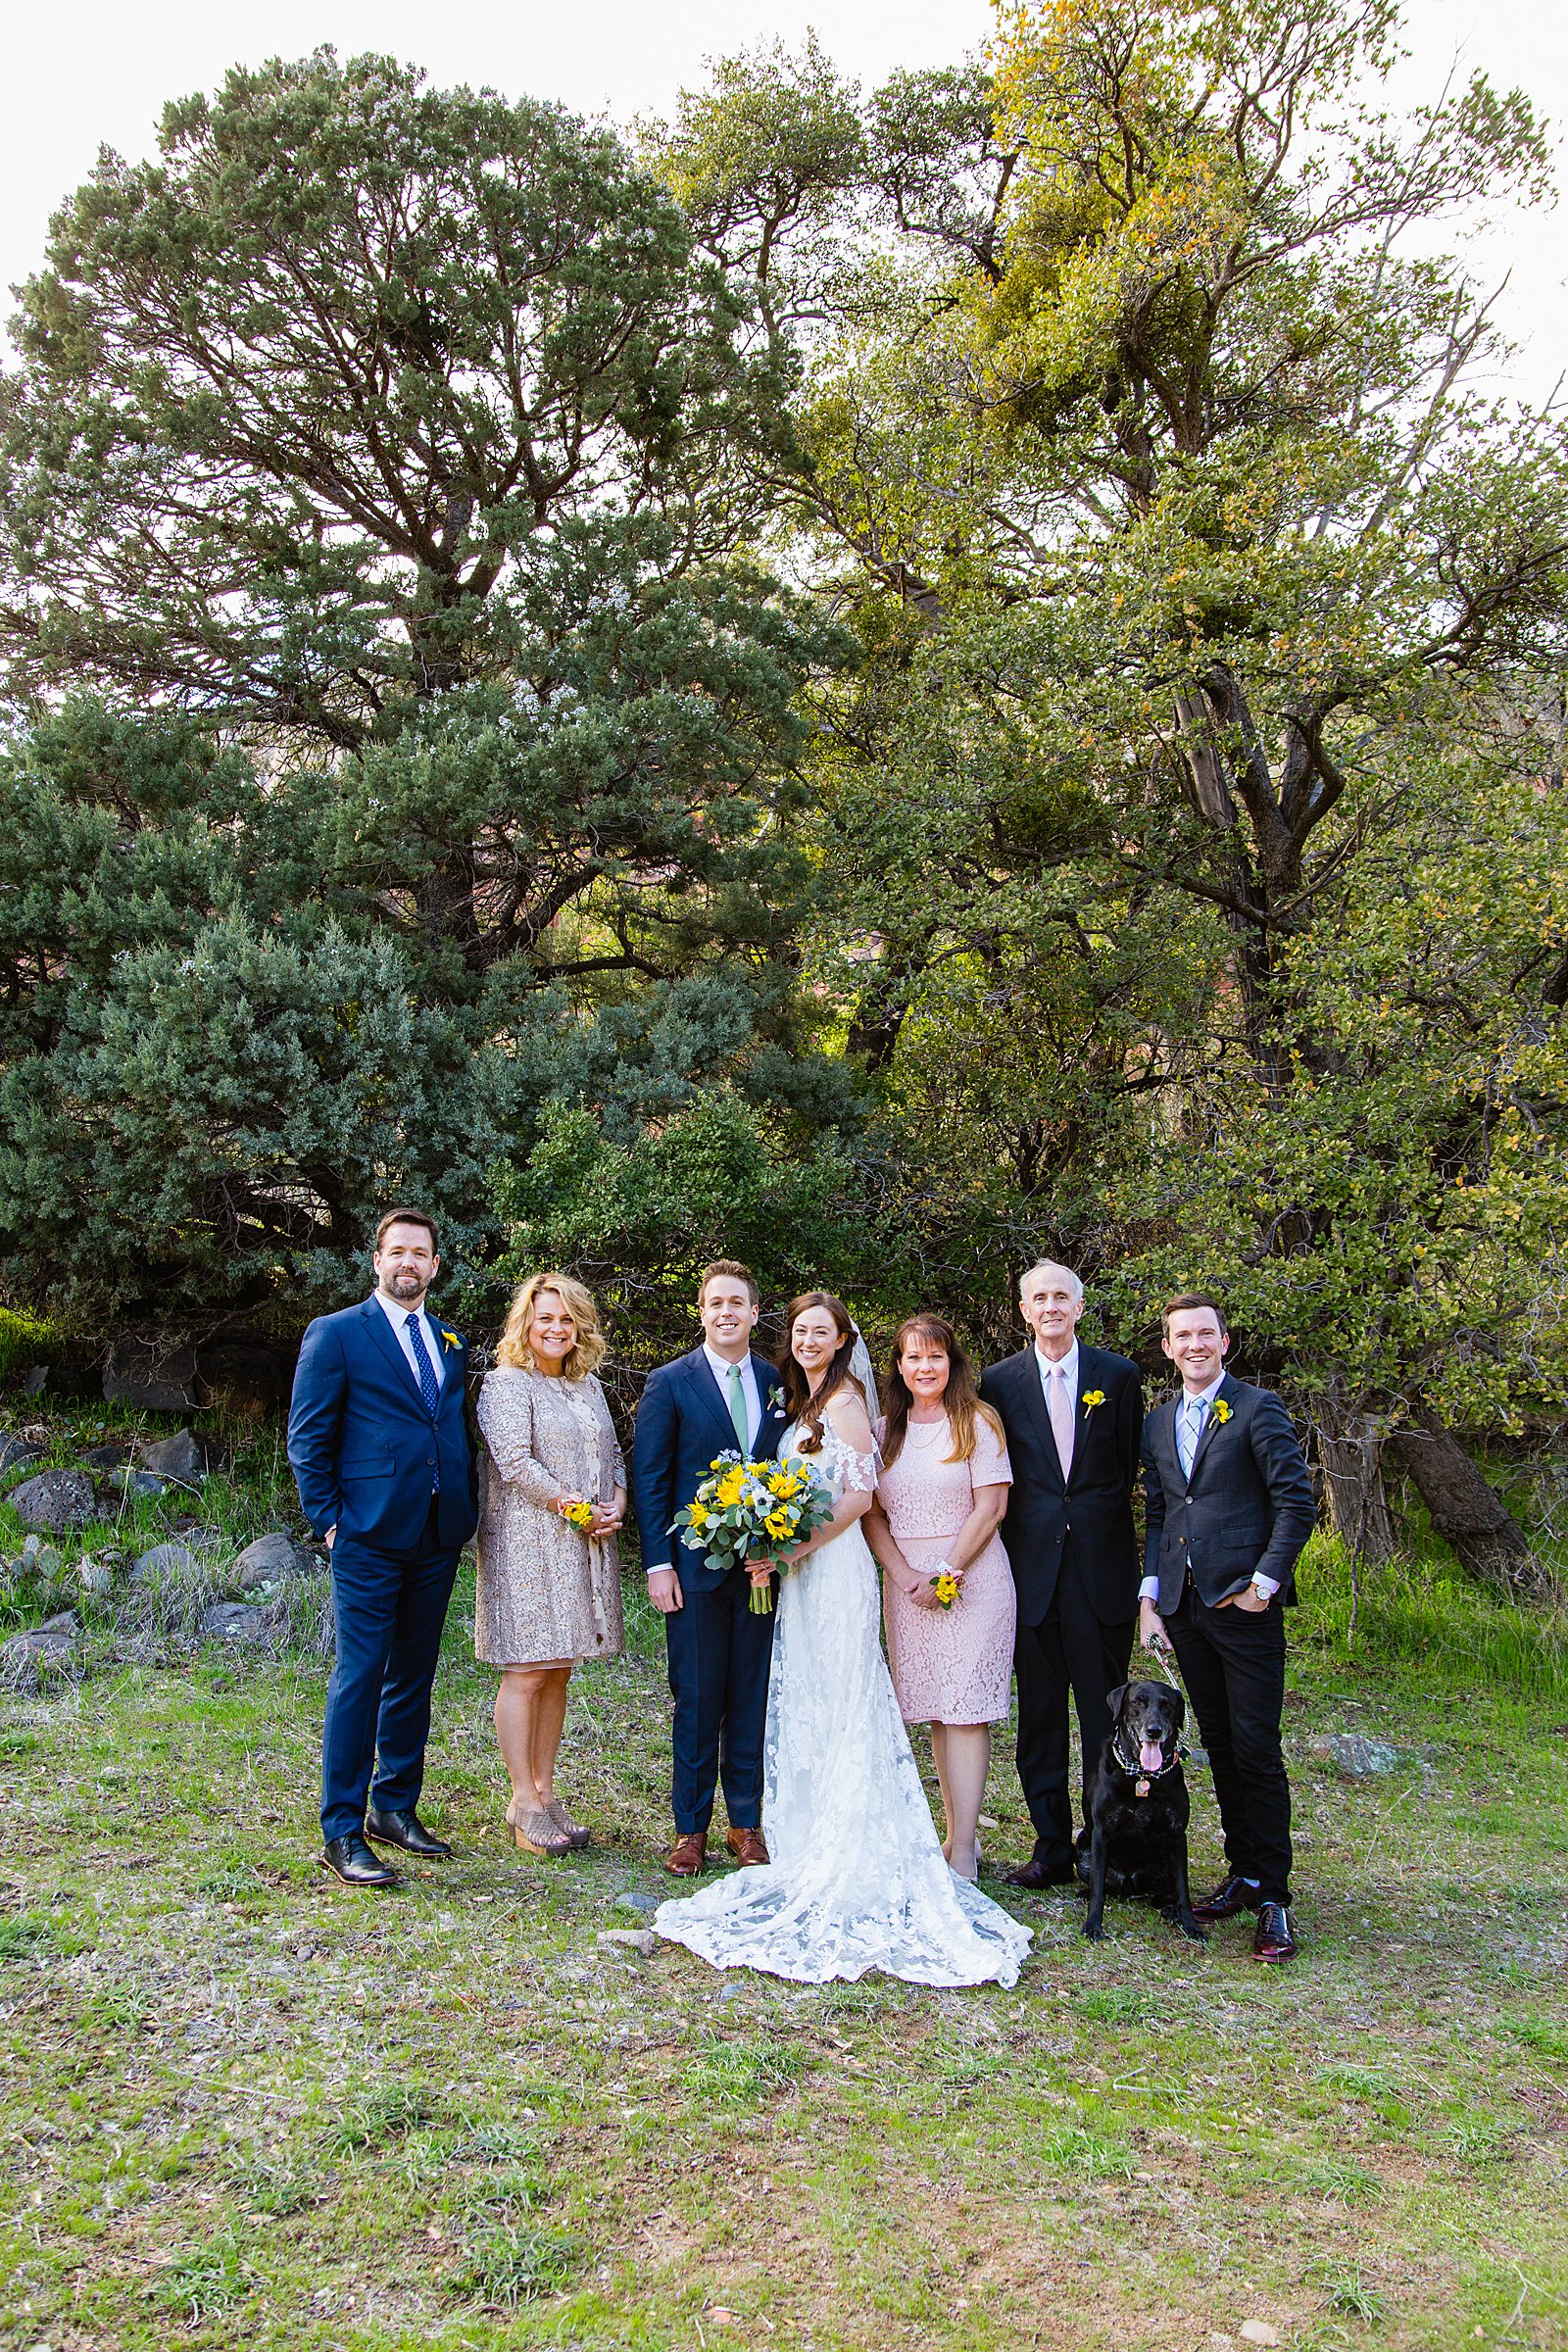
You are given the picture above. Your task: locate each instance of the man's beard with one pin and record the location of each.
(401, 1283)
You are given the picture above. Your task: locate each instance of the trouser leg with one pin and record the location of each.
(751, 1658)
(697, 1647)
(403, 1722)
(1251, 1646)
(1096, 1656)
(1041, 1668)
(366, 1586)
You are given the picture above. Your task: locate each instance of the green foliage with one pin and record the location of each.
(638, 1221)
(402, 443)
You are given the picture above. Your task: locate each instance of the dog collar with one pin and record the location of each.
(1135, 1772)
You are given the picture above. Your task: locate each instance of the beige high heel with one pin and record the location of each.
(576, 1834)
(536, 1834)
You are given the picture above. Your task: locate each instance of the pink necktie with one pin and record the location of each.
(1061, 1417)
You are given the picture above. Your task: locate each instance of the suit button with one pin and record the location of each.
(429, 1462)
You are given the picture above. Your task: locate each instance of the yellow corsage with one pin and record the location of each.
(1092, 1397)
(580, 1515)
(449, 1339)
(945, 1589)
(1221, 1411)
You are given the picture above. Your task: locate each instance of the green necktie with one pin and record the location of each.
(737, 1408)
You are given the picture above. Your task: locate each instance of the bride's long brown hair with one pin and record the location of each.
(960, 1399)
(809, 1412)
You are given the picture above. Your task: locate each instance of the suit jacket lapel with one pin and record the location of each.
(1080, 1419)
(706, 1386)
(386, 1340)
(1035, 1405)
(1210, 1424)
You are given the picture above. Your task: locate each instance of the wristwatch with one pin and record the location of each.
(1264, 1597)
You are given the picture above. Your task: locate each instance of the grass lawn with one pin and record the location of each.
(242, 2105)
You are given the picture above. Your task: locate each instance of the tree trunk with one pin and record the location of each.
(1349, 1450)
(1467, 1512)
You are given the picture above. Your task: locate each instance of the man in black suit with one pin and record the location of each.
(1229, 1508)
(1073, 1417)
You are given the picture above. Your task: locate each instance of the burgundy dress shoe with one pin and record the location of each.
(1274, 1939)
(1231, 1895)
(687, 1858)
(1035, 1873)
(748, 1848)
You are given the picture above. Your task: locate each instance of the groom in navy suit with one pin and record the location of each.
(379, 1449)
(719, 1399)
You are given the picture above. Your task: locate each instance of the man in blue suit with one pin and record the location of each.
(379, 1449)
(719, 1399)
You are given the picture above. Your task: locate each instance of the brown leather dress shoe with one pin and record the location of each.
(1275, 1939)
(1037, 1874)
(687, 1858)
(748, 1847)
(1231, 1895)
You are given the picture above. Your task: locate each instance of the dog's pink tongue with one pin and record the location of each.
(1151, 1756)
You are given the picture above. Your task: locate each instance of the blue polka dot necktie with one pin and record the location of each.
(429, 1385)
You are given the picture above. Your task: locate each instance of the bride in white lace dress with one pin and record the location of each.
(857, 1879)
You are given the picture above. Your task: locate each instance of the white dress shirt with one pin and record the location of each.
(720, 1367)
(1191, 1426)
(396, 1315)
(1068, 1366)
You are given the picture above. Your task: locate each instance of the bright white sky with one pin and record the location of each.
(89, 74)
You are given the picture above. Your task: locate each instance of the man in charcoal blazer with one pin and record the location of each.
(1073, 1417)
(721, 1399)
(1229, 1507)
(379, 1448)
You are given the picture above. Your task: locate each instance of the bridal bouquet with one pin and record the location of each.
(752, 1510)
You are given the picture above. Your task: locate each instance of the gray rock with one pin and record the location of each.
(105, 1458)
(138, 1482)
(633, 1900)
(57, 1499)
(49, 1649)
(635, 1939)
(154, 1379)
(270, 1558)
(181, 1456)
(234, 1620)
(14, 1451)
(166, 1560)
(1356, 1755)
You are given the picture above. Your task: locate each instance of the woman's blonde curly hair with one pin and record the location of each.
(512, 1348)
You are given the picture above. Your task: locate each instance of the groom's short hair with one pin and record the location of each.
(732, 1267)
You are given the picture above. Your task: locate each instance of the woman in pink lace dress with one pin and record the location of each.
(939, 1501)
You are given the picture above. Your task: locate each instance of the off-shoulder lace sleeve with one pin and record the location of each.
(505, 1423)
(856, 1471)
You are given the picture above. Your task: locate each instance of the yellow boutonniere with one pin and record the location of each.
(449, 1339)
(1221, 1411)
(1092, 1397)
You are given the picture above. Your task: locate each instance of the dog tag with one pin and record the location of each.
(1143, 1787)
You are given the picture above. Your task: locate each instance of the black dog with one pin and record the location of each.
(1138, 1808)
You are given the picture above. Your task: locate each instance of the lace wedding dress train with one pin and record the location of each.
(858, 1880)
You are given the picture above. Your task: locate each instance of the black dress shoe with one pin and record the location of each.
(408, 1831)
(1275, 1939)
(1231, 1895)
(355, 1864)
(1035, 1873)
